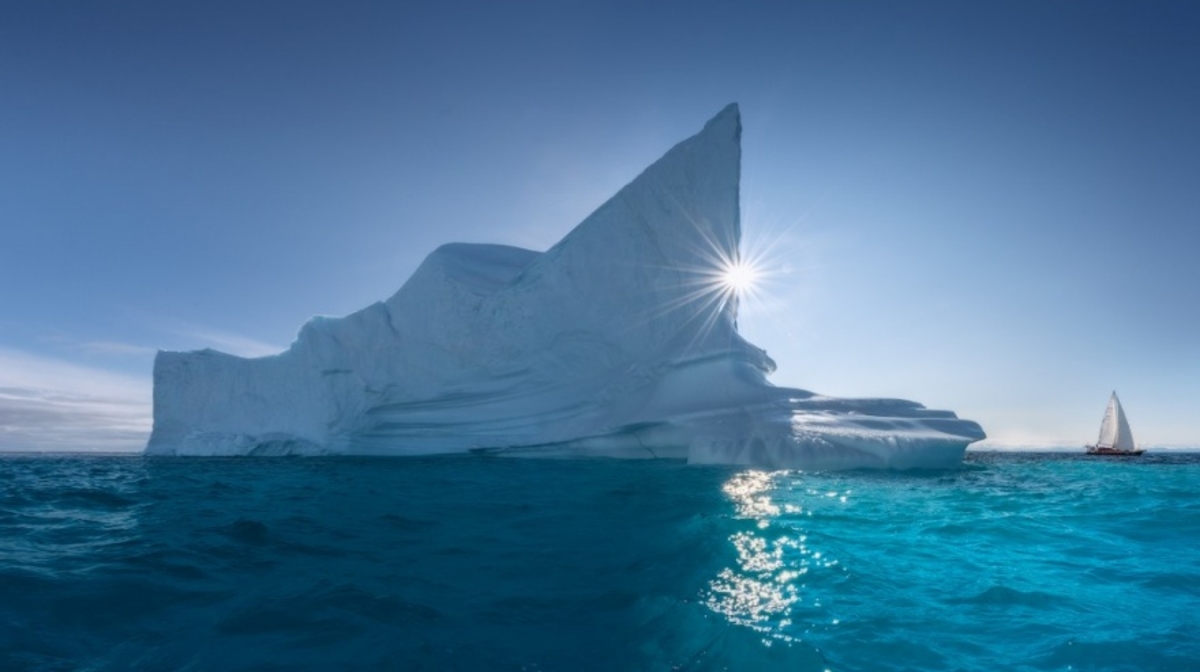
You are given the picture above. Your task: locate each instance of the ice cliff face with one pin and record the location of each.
(620, 340)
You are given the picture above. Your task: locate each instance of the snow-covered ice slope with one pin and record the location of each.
(620, 340)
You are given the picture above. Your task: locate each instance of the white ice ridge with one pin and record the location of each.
(620, 340)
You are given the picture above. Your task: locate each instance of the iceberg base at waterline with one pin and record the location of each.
(620, 340)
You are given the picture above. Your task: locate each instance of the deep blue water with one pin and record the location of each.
(1017, 562)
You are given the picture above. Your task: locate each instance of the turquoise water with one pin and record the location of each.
(1018, 562)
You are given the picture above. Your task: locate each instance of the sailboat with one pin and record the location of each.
(1115, 437)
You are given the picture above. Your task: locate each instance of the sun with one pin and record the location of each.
(739, 277)
(722, 278)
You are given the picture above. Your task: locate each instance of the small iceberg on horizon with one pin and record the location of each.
(620, 340)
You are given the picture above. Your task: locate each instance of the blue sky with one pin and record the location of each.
(990, 207)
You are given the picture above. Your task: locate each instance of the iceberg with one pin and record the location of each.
(621, 340)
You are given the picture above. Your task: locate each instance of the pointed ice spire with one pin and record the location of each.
(657, 243)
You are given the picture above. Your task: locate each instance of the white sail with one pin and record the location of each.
(1114, 429)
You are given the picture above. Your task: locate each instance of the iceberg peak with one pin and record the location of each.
(729, 118)
(619, 340)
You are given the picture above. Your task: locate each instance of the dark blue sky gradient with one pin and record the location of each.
(986, 206)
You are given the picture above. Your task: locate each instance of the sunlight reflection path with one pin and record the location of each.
(765, 589)
(756, 591)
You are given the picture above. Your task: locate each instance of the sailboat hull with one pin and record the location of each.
(1104, 451)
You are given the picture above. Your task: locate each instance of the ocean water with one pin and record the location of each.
(1013, 562)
